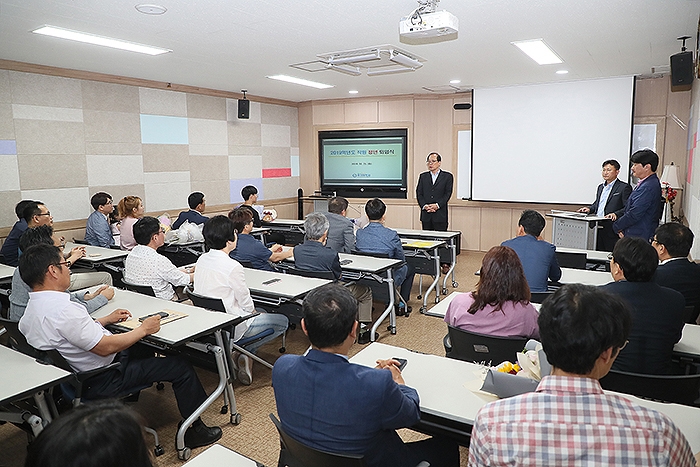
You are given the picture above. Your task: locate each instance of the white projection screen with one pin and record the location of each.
(545, 143)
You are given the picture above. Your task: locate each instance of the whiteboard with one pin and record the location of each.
(545, 143)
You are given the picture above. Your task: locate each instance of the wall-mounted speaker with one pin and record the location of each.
(682, 71)
(243, 108)
(462, 106)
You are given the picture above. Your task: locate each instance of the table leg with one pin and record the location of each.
(434, 284)
(451, 272)
(389, 309)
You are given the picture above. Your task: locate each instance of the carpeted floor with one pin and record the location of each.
(256, 437)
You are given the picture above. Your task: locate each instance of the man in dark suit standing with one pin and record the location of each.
(433, 192)
(610, 201)
(328, 403)
(643, 210)
(672, 242)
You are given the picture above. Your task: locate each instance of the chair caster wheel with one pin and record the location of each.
(292, 326)
(158, 451)
(419, 297)
(393, 330)
(455, 285)
(423, 309)
(185, 454)
(160, 386)
(437, 299)
(444, 291)
(224, 410)
(283, 349)
(235, 418)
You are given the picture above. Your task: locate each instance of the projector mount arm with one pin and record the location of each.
(424, 6)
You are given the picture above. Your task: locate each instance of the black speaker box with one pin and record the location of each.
(243, 108)
(682, 71)
(462, 106)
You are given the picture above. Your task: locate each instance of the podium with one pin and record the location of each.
(575, 229)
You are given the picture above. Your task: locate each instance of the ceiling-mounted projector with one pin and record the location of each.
(439, 23)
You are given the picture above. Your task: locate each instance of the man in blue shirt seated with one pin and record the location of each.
(10, 247)
(375, 238)
(330, 404)
(538, 256)
(97, 229)
(197, 204)
(249, 249)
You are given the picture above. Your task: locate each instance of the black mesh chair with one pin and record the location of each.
(539, 297)
(679, 389)
(571, 260)
(142, 289)
(473, 347)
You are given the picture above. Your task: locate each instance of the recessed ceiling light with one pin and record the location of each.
(538, 51)
(99, 40)
(303, 82)
(455, 81)
(562, 72)
(353, 91)
(150, 9)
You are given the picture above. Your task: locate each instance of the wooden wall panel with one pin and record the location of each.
(401, 216)
(651, 95)
(362, 112)
(396, 110)
(462, 117)
(468, 221)
(325, 114)
(496, 226)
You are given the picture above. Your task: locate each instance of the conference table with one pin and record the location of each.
(292, 229)
(220, 456)
(451, 238)
(96, 255)
(450, 393)
(23, 377)
(688, 348)
(6, 271)
(276, 288)
(584, 276)
(424, 256)
(593, 256)
(198, 322)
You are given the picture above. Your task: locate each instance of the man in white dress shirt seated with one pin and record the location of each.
(219, 276)
(145, 266)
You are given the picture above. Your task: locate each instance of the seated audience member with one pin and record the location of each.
(145, 266)
(103, 434)
(250, 196)
(657, 312)
(10, 246)
(52, 321)
(197, 204)
(97, 230)
(313, 255)
(672, 242)
(328, 403)
(376, 238)
(341, 233)
(20, 291)
(219, 276)
(569, 420)
(500, 305)
(130, 210)
(251, 250)
(537, 256)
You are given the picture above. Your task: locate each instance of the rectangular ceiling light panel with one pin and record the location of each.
(303, 82)
(99, 40)
(538, 51)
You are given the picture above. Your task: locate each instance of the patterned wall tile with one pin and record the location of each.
(38, 112)
(8, 146)
(280, 187)
(276, 157)
(8, 200)
(65, 204)
(40, 171)
(158, 129)
(203, 131)
(44, 137)
(165, 158)
(5, 94)
(232, 112)
(106, 170)
(215, 191)
(110, 97)
(199, 106)
(10, 173)
(209, 150)
(112, 127)
(161, 102)
(7, 124)
(237, 185)
(209, 168)
(244, 134)
(295, 165)
(245, 151)
(113, 148)
(275, 135)
(51, 91)
(278, 114)
(245, 167)
(166, 190)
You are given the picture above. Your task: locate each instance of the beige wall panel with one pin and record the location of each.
(95, 147)
(8, 199)
(468, 221)
(41, 137)
(161, 102)
(208, 149)
(39, 171)
(326, 114)
(283, 187)
(199, 106)
(52, 91)
(164, 190)
(308, 160)
(206, 131)
(119, 191)
(244, 134)
(275, 135)
(276, 158)
(208, 168)
(165, 158)
(496, 226)
(9, 168)
(7, 124)
(40, 112)
(215, 191)
(400, 217)
(362, 112)
(65, 204)
(396, 110)
(110, 97)
(462, 117)
(278, 114)
(244, 151)
(286, 210)
(245, 167)
(5, 93)
(432, 132)
(549, 223)
(675, 143)
(112, 127)
(114, 169)
(651, 96)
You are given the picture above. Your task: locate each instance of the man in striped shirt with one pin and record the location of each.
(568, 420)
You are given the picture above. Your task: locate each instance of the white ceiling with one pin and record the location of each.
(233, 44)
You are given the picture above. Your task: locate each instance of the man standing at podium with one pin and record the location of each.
(433, 192)
(610, 201)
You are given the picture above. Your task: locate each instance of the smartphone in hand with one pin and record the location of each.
(402, 362)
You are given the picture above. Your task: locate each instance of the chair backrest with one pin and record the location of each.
(539, 297)
(680, 389)
(689, 315)
(79, 241)
(18, 341)
(142, 289)
(300, 455)
(5, 302)
(210, 303)
(246, 264)
(367, 253)
(316, 274)
(571, 260)
(474, 347)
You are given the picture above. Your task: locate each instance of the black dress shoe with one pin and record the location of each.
(364, 338)
(201, 435)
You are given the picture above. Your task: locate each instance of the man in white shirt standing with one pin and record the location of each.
(145, 266)
(219, 276)
(52, 321)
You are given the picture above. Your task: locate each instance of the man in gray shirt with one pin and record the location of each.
(341, 233)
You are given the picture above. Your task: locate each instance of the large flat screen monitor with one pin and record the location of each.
(364, 163)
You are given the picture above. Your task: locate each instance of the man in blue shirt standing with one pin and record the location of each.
(538, 256)
(97, 230)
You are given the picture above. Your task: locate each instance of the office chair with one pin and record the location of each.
(79, 241)
(539, 297)
(571, 260)
(474, 347)
(679, 389)
(142, 289)
(314, 274)
(4, 303)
